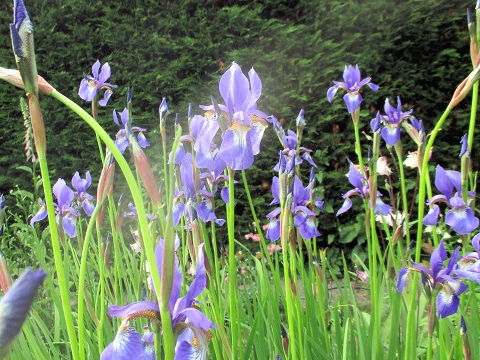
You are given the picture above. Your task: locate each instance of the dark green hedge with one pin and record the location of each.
(415, 49)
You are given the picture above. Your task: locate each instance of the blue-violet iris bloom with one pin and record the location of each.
(91, 85)
(352, 85)
(460, 217)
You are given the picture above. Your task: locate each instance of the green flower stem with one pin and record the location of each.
(403, 189)
(358, 147)
(410, 345)
(257, 223)
(169, 339)
(285, 231)
(473, 116)
(35, 113)
(81, 282)
(95, 116)
(101, 275)
(375, 248)
(232, 270)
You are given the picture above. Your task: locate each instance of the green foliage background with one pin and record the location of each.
(415, 49)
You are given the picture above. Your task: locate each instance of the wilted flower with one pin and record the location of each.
(352, 85)
(91, 85)
(382, 166)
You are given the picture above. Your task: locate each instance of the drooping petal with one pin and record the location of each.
(127, 345)
(401, 279)
(236, 148)
(462, 220)
(69, 225)
(331, 93)
(42, 214)
(347, 204)
(437, 258)
(308, 229)
(106, 96)
(432, 216)
(447, 304)
(353, 101)
(391, 134)
(87, 90)
(191, 345)
(197, 318)
(273, 230)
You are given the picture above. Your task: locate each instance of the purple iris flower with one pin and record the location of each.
(352, 85)
(437, 275)
(303, 215)
(360, 184)
(64, 210)
(188, 321)
(460, 217)
(246, 124)
(85, 199)
(393, 118)
(125, 135)
(133, 213)
(15, 305)
(192, 208)
(90, 85)
(290, 141)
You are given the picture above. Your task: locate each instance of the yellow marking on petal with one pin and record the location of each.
(239, 126)
(257, 120)
(147, 314)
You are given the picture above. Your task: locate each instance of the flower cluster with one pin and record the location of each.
(303, 204)
(68, 203)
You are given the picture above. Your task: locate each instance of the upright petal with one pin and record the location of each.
(234, 88)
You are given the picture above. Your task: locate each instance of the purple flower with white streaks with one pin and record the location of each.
(361, 188)
(460, 217)
(84, 199)
(66, 214)
(393, 119)
(246, 125)
(191, 325)
(125, 135)
(352, 85)
(91, 85)
(438, 276)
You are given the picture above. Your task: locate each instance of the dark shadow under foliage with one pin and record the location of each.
(415, 49)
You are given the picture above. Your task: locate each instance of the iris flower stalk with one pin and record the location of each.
(23, 48)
